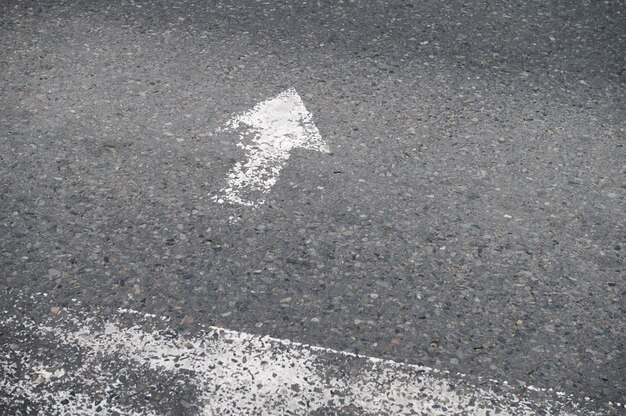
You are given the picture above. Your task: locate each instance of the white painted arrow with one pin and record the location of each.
(276, 126)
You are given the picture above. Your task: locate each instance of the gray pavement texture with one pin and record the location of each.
(470, 216)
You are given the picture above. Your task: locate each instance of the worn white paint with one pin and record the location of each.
(241, 374)
(268, 133)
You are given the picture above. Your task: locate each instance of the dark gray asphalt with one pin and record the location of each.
(470, 216)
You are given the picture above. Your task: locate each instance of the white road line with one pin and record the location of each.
(236, 373)
(276, 126)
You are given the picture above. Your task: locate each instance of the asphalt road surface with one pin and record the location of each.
(437, 183)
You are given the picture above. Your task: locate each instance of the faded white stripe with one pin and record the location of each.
(242, 374)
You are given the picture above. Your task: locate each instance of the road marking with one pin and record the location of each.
(230, 372)
(269, 131)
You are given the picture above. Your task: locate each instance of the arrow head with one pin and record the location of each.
(281, 122)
